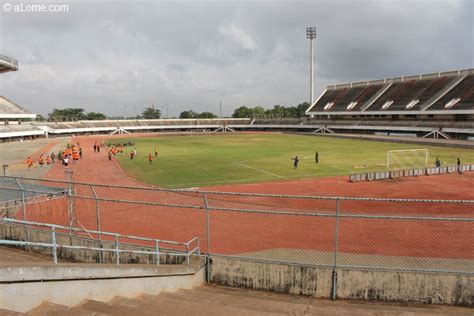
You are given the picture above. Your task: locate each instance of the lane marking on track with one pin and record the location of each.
(258, 169)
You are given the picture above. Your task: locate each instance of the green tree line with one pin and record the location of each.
(276, 111)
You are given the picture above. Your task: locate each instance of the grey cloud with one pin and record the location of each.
(191, 55)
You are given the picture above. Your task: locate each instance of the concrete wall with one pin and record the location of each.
(58, 289)
(351, 284)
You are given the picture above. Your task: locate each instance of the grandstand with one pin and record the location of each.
(9, 110)
(447, 96)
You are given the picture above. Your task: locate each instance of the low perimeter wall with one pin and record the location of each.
(381, 175)
(428, 288)
(23, 288)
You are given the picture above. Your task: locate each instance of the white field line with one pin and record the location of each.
(258, 169)
(339, 168)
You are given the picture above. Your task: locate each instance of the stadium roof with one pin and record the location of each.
(8, 64)
(11, 110)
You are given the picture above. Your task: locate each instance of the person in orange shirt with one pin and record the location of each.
(29, 162)
(150, 158)
(48, 160)
(75, 156)
(41, 161)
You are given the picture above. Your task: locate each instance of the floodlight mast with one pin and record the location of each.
(311, 35)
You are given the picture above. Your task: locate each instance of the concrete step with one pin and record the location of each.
(109, 308)
(329, 307)
(256, 303)
(174, 304)
(265, 295)
(4, 312)
(47, 309)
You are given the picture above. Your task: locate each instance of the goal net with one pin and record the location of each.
(407, 159)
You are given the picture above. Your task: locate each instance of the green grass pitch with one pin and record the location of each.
(196, 161)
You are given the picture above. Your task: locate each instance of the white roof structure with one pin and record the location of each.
(11, 110)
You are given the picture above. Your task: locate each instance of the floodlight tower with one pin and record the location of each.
(311, 35)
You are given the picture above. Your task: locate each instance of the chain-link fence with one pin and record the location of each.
(336, 232)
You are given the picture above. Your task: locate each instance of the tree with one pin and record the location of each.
(258, 111)
(40, 118)
(94, 116)
(242, 111)
(151, 113)
(188, 114)
(301, 109)
(67, 114)
(207, 115)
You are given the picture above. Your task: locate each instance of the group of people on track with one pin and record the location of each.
(42, 160)
(72, 152)
(115, 149)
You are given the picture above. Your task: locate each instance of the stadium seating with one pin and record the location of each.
(464, 91)
(450, 91)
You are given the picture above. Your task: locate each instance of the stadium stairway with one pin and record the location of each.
(215, 300)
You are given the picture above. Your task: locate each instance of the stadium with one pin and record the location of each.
(367, 197)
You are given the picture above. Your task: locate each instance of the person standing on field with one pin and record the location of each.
(150, 158)
(156, 152)
(458, 163)
(437, 163)
(316, 157)
(295, 163)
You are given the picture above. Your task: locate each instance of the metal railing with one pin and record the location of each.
(54, 245)
(392, 234)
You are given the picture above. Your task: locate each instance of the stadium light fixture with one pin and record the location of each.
(311, 35)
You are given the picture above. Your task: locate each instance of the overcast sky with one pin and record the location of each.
(117, 57)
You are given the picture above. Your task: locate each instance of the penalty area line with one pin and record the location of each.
(258, 169)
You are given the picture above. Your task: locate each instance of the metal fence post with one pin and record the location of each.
(53, 241)
(157, 250)
(97, 213)
(117, 250)
(208, 240)
(336, 250)
(71, 207)
(5, 170)
(23, 204)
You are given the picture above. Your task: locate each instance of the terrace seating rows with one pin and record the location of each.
(464, 91)
(144, 123)
(17, 128)
(365, 96)
(366, 122)
(413, 93)
(397, 90)
(409, 95)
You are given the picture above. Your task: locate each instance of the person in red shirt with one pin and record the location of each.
(150, 158)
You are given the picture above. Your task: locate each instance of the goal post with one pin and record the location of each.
(407, 158)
